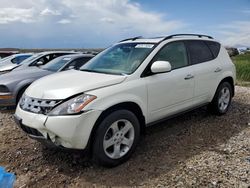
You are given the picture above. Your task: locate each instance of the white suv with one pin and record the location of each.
(106, 105)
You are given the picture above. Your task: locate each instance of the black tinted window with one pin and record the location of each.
(77, 63)
(175, 53)
(214, 47)
(199, 52)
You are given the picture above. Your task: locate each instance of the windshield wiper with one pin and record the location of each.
(124, 74)
(88, 70)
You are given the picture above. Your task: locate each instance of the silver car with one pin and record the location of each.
(10, 62)
(38, 59)
(14, 83)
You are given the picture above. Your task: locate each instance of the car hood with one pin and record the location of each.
(65, 84)
(22, 67)
(7, 66)
(20, 75)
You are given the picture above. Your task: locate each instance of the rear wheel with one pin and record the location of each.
(116, 138)
(222, 99)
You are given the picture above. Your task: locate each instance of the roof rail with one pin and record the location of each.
(134, 38)
(177, 35)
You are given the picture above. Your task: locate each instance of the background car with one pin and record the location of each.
(7, 52)
(13, 60)
(16, 58)
(38, 59)
(14, 83)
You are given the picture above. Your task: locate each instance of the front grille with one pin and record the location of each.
(38, 106)
(30, 131)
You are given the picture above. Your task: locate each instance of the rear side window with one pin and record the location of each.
(214, 47)
(199, 51)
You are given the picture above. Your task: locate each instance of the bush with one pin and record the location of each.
(242, 63)
(232, 51)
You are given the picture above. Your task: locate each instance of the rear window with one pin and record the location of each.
(214, 47)
(199, 51)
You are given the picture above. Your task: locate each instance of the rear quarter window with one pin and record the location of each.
(199, 51)
(214, 47)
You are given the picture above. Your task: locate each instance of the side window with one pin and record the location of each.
(199, 52)
(77, 63)
(20, 59)
(43, 59)
(175, 53)
(15, 60)
(214, 47)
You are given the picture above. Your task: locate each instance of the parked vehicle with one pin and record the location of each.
(13, 60)
(38, 59)
(16, 58)
(7, 52)
(105, 107)
(14, 83)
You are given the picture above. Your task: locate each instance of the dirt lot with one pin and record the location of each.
(193, 150)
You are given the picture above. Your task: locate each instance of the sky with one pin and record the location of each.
(100, 23)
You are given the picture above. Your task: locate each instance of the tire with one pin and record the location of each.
(116, 138)
(222, 99)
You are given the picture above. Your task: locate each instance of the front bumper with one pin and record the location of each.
(67, 131)
(7, 100)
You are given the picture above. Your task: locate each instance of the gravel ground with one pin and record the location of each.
(194, 150)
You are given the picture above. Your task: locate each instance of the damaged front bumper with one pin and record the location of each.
(72, 132)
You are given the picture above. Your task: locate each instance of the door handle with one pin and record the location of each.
(189, 76)
(218, 69)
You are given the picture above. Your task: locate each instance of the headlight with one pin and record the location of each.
(73, 106)
(4, 89)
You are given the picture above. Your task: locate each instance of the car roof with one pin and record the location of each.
(160, 39)
(74, 56)
(22, 54)
(52, 52)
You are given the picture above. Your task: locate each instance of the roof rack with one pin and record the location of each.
(170, 36)
(177, 35)
(134, 38)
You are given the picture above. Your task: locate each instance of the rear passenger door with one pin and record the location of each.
(207, 68)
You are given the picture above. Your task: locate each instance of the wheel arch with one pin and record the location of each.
(131, 106)
(20, 90)
(230, 80)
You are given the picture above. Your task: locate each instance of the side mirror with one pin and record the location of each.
(161, 67)
(70, 68)
(39, 63)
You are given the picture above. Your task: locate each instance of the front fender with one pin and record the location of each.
(132, 91)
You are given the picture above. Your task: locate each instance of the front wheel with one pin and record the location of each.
(222, 99)
(116, 138)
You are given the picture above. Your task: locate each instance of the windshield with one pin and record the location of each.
(56, 64)
(31, 58)
(119, 59)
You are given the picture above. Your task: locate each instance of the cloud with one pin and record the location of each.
(9, 15)
(123, 14)
(64, 21)
(92, 21)
(108, 20)
(236, 33)
(246, 11)
(49, 12)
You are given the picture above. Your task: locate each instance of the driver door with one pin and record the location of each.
(170, 92)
